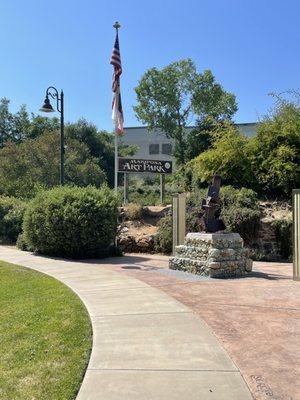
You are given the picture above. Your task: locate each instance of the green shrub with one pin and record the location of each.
(193, 207)
(239, 211)
(242, 197)
(283, 232)
(146, 191)
(22, 244)
(262, 255)
(163, 240)
(242, 220)
(72, 222)
(11, 217)
(133, 212)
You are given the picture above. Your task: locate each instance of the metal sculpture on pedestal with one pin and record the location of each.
(208, 221)
(212, 252)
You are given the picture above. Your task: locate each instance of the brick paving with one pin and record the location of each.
(257, 319)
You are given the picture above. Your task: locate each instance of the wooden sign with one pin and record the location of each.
(136, 165)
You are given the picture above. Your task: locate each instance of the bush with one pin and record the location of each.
(163, 240)
(22, 244)
(243, 221)
(133, 212)
(146, 191)
(143, 193)
(72, 222)
(238, 197)
(11, 217)
(193, 207)
(283, 232)
(240, 212)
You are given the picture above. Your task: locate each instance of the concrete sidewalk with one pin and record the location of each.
(146, 345)
(256, 318)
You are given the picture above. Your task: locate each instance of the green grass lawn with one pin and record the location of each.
(45, 337)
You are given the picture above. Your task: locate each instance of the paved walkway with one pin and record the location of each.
(146, 345)
(257, 319)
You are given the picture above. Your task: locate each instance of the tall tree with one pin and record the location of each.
(227, 157)
(40, 125)
(176, 96)
(6, 121)
(20, 126)
(274, 151)
(28, 166)
(100, 144)
(268, 162)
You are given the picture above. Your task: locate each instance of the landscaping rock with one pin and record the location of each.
(131, 244)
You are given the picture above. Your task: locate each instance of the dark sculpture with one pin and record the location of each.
(208, 221)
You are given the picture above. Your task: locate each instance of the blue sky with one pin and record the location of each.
(251, 46)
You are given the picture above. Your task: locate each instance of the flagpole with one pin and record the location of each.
(116, 160)
(116, 26)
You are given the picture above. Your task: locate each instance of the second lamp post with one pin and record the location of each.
(47, 107)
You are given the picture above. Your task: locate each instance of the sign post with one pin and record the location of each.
(136, 165)
(179, 219)
(296, 234)
(125, 178)
(162, 188)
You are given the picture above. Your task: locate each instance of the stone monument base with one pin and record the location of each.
(218, 255)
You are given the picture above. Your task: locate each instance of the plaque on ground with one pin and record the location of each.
(138, 165)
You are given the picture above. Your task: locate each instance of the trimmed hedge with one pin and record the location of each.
(11, 217)
(72, 222)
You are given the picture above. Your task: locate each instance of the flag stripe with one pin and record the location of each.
(117, 111)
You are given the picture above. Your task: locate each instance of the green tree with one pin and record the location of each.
(228, 157)
(176, 96)
(268, 162)
(40, 125)
(34, 164)
(6, 121)
(274, 152)
(201, 137)
(20, 126)
(100, 145)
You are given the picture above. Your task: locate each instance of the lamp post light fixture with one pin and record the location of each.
(47, 107)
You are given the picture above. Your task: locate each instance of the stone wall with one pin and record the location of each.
(266, 246)
(218, 255)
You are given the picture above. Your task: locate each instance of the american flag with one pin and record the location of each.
(117, 111)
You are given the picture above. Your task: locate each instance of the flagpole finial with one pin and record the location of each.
(117, 26)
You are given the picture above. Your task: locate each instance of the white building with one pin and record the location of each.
(156, 146)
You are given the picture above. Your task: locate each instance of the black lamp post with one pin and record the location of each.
(47, 107)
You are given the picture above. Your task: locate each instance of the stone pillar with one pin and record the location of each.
(218, 255)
